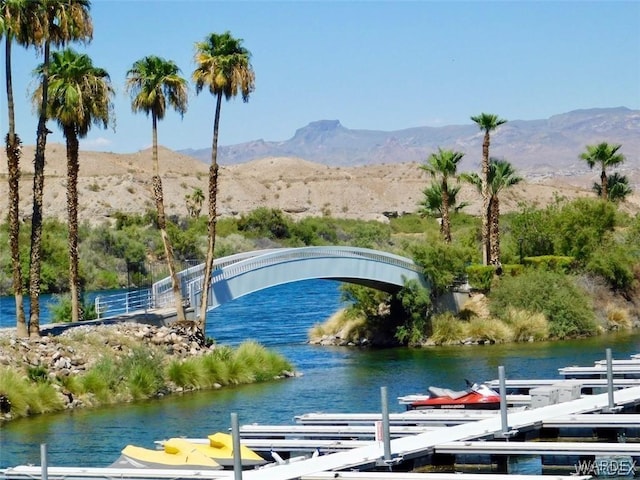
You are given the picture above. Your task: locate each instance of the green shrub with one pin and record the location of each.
(187, 373)
(615, 263)
(447, 329)
(567, 308)
(581, 226)
(526, 326)
(265, 223)
(480, 277)
(484, 330)
(553, 263)
(442, 263)
(60, 309)
(417, 306)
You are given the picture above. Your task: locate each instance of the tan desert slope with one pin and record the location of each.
(122, 182)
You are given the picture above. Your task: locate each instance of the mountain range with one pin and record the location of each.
(535, 147)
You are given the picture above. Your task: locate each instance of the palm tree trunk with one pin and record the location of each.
(72, 214)
(485, 198)
(446, 221)
(213, 196)
(35, 261)
(603, 182)
(13, 149)
(494, 230)
(162, 226)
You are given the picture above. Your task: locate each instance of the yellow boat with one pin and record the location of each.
(178, 453)
(220, 449)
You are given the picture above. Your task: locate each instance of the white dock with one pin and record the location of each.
(583, 382)
(419, 445)
(434, 476)
(434, 417)
(601, 370)
(31, 472)
(618, 420)
(326, 431)
(539, 448)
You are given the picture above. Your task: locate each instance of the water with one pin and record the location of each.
(335, 380)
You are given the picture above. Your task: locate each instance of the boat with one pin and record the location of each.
(175, 454)
(219, 447)
(474, 397)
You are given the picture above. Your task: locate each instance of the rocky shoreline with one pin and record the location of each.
(74, 350)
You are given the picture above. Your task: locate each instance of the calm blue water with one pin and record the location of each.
(334, 380)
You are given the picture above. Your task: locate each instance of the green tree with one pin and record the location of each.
(431, 204)
(154, 82)
(488, 123)
(617, 188)
(443, 166)
(502, 175)
(56, 22)
(194, 202)
(79, 95)
(223, 66)
(605, 155)
(16, 20)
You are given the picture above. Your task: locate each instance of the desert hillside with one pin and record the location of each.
(122, 182)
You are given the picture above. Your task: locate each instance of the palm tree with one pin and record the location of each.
(223, 65)
(617, 188)
(154, 82)
(59, 22)
(605, 155)
(79, 96)
(443, 165)
(502, 175)
(431, 203)
(15, 22)
(487, 122)
(194, 202)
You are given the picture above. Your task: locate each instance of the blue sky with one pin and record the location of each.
(372, 65)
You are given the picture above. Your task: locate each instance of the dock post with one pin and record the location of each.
(237, 453)
(610, 380)
(386, 433)
(43, 461)
(503, 401)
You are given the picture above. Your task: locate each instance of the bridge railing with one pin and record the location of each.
(162, 291)
(123, 303)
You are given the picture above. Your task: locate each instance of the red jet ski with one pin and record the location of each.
(476, 397)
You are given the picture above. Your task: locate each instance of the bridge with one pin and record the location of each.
(244, 273)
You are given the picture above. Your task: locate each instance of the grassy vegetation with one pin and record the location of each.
(136, 372)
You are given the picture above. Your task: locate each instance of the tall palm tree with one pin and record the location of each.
(488, 123)
(617, 187)
(59, 22)
(502, 175)
(443, 166)
(606, 155)
(223, 65)
(16, 20)
(79, 96)
(155, 83)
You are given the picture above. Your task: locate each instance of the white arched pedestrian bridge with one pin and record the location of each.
(245, 273)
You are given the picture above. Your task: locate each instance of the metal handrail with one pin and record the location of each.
(124, 303)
